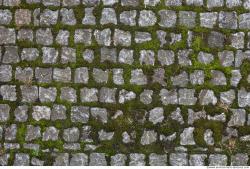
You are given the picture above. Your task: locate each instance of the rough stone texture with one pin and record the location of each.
(137, 159)
(178, 159)
(124, 82)
(148, 137)
(217, 160)
(187, 136)
(147, 18)
(156, 115)
(97, 159)
(197, 159)
(118, 160)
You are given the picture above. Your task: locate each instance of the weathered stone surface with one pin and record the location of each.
(51, 2)
(118, 76)
(81, 75)
(8, 92)
(238, 117)
(49, 17)
(156, 115)
(62, 75)
(178, 159)
(71, 134)
(88, 55)
(147, 57)
(83, 36)
(107, 95)
(61, 159)
(47, 94)
(141, 37)
(68, 55)
(197, 77)
(108, 16)
(197, 159)
(29, 93)
(146, 96)
(89, 95)
(99, 113)
(10, 132)
(110, 54)
(36, 162)
(244, 21)
(58, 112)
(97, 159)
(5, 73)
(89, 18)
(168, 18)
(103, 37)
(239, 159)
(29, 54)
(41, 112)
(193, 116)
(168, 97)
(157, 159)
(187, 136)
(21, 159)
(166, 57)
(43, 75)
(217, 160)
(147, 18)
(208, 19)
(176, 115)
(228, 20)
(118, 160)
(67, 16)
(237, 40)
(148, 137)
(80, 114)
(50, 133)
(62, 37)
(100, 76)
(218, 78)
(21, 113)
(128, 17)
(216, 40)
(4, 112)
(126, 56)
(8, 35)
(180, 80)
(207, 97)
(187, 18)
(11, 55)
(138, 77)
(125, 96)
(79, 159)
(208, 137)
(137, 159)
(227, 97)
(32, 133)
(5, 16)
(226, 58)
(68, 94)
(186, 97)
(183, 57)
(44, 36)
(103, 135)
(243, 98)
(122, 38)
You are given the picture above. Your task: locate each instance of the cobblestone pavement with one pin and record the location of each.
(124, 82)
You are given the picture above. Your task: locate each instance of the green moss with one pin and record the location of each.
(21, 133)
(216, 127)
